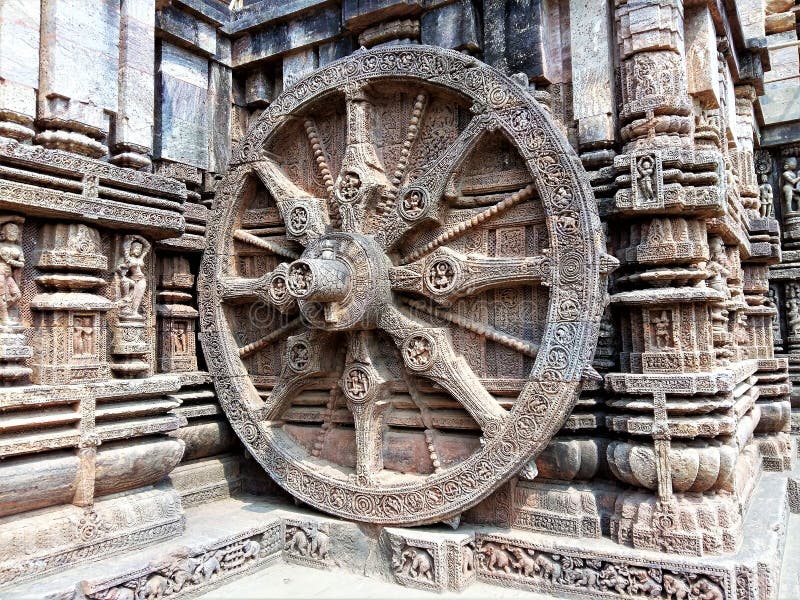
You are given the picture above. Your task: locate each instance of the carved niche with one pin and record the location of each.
(402, 285)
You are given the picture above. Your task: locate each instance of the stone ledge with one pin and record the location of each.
(248, 533)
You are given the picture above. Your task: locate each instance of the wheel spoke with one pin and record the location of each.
(265, 244)
(428, 352)
(447, 275)
(271, 288)
(456, 231)
(365, 385)
(490, 333)
(308, 357)
(412, 133)
(422, 201)
(362, 180)
(305, 217)
(269, 339)
(321, 156)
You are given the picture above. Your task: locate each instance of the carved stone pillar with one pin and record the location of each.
(783, 277)
(742, 157)
(176, 317)
(132, 142)
(678, 295)
(19, 67)
(133, 326)
(78, 75)
(70, 315)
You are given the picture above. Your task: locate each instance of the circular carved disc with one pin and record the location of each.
(402, 285)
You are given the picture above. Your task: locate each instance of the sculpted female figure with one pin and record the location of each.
(790, 181)
(11, 258)
(133, 282)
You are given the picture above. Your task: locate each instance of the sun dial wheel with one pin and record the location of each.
(402, 285)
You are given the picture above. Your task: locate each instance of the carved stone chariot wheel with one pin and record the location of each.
(402, 285)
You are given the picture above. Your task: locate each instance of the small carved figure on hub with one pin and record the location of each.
(299, 356)
(350, 185)
(418, 352)
(277, 290)
(357, 383)
(132, 280)
(300, 279)
(441, 276)
(11, 260)
(413, 204)
(298, 220)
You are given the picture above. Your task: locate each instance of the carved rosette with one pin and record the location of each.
(375, 228)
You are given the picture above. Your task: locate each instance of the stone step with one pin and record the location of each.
(229, 547)
(296, 581)
(212, 549)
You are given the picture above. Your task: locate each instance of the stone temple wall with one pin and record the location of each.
(123, 127)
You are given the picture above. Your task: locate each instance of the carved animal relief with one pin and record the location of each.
(402, 286)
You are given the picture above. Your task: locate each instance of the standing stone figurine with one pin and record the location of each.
(765, 197)
(11, 259)
(132, 280)
(789, 185)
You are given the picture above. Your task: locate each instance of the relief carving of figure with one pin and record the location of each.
(497, 559)
(296, 540)
(705, 590)
(313, 542)
(793, 308)
(413, 204)
(440, 275)
(789, 186)
(132, 280)
(83, 336)
(719, 269)
(614, 578)
(179, 345)
(765, 198)
(661, 330)
(418, 351)
(645, 169)
(675, 588)
(357, 383)
(11, 260)
(523, 562)
(773, 302)
(468, 559)
(642, 583)
(415, 563)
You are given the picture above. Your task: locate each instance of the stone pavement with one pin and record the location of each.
(297, 582)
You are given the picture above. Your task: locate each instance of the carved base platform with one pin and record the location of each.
(46, 540)
(239, 536)
(207, 479)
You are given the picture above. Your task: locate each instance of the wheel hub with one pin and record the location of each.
(341, 282)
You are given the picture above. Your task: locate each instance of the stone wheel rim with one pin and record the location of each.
(577, 278)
